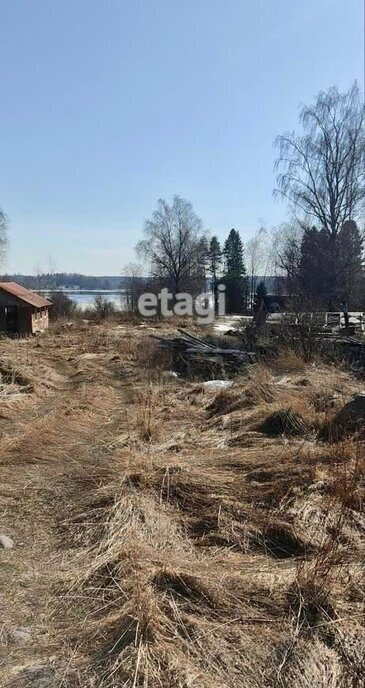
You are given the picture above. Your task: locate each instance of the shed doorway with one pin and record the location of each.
(11, 320)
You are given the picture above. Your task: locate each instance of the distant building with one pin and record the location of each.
(22, 312)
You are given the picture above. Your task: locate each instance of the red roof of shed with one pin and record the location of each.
(24, 294)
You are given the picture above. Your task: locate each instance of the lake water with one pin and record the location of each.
(85, 299)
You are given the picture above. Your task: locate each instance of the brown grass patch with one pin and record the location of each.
(188, 549)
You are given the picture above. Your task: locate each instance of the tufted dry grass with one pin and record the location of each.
(228, 557)
(188, 547)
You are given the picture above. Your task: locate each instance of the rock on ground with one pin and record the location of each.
(6, 542)
(21, 634)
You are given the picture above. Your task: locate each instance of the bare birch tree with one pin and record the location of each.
(258, 259)
(322, 172)
(173, 244)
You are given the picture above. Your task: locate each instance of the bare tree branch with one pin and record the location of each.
(173, 244)
(322, 172)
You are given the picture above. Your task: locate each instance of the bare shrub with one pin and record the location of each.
(63, 306)
(152, 359)
(103, 307)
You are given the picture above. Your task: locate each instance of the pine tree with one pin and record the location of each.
(331, 271)
(233, 254)
(235, 274)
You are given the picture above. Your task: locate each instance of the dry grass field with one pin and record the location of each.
(167, 535)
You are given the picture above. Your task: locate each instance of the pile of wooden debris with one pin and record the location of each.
(189, 349)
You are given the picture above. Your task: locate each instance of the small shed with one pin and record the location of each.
(22, 312)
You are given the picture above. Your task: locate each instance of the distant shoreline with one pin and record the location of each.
(80, 291)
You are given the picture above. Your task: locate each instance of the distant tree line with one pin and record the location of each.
(51, 280)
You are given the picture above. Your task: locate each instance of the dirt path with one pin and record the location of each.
(48, 437)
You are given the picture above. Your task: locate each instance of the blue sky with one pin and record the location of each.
(108, 105)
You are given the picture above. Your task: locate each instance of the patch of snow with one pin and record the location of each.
(217, 384)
